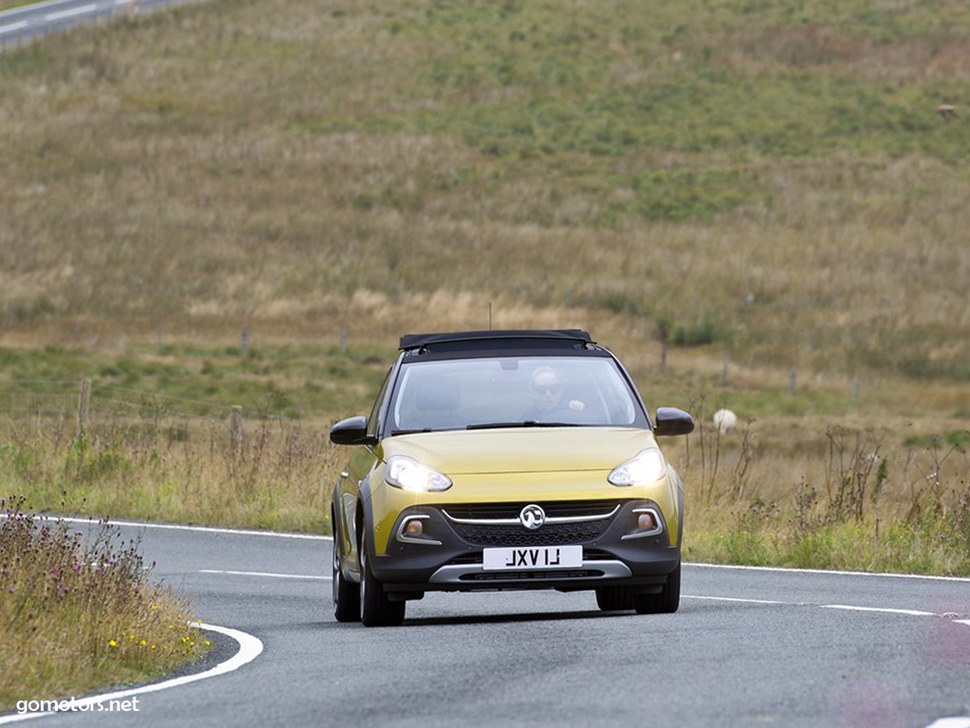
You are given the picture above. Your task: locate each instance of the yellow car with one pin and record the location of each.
(497, 460)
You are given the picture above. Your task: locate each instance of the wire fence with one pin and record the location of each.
(91, 404)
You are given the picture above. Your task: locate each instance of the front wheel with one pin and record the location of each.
(346, 594)
(376, 609)
(666, 602)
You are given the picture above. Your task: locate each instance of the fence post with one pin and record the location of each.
(663, 356)
(725, 375)
(83, 404)
(792, 379)
(244, 344)
(236, 430)
(344, 341)
(855, 387)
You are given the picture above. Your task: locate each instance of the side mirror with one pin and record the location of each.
(352, 431)
(672, 421)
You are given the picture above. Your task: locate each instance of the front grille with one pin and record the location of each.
(558, 509)
(551, 534)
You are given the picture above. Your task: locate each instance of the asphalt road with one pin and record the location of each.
(747, 648)
(27, 23)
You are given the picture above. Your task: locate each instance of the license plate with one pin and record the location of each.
(537, 557)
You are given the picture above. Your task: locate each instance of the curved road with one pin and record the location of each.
(747, 648)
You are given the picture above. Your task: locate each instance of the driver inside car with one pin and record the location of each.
(549, 402)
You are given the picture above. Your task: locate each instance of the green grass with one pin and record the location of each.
(295, 381)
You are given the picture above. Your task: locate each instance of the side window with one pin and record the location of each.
(373, 423)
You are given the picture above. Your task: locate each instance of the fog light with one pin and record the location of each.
(649, 523)
(411, 530)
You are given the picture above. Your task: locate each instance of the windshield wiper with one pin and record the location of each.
(520, 423)
(394, 433)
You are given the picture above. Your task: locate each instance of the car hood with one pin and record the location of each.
(522, 450)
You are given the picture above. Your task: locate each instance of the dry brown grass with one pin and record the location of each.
(76, 617)
(278, 476)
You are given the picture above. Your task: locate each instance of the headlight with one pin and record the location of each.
(403, 472)
(647, 467)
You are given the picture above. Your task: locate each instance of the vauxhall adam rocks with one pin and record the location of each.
(496, 460)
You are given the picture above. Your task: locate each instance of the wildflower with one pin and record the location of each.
(112, 643)
(143, 643)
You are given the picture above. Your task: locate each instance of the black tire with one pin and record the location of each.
(346, 594)
(614, 598)
(376, 610)
(666, 602)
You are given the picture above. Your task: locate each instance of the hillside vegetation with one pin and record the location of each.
(770, 176)
(763, 180)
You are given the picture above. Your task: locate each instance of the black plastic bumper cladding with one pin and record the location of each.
(410, 566)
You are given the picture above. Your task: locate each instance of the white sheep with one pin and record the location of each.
(725, 421)
(947, 112)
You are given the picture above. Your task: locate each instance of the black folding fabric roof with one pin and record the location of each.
(498, 339)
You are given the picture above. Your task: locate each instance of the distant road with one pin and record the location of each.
(25, 24)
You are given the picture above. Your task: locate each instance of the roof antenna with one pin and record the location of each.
(489, 315)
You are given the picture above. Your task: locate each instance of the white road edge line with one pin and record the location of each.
(11, 27)
(908, 612)
(178, 527)
(846, 607)
(266, 573)
(83, 10)
(736, 599)
(785, 570)
(950, 723)
(36, 6)
(33, 7)
(250, 648)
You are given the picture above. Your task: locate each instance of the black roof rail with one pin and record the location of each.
(551, 336)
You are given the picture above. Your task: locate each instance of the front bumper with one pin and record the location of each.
(448, 554)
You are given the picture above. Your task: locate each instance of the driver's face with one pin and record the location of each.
(547, 390)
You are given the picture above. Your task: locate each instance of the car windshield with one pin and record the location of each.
(511, 392)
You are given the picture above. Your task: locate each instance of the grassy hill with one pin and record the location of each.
(767, 180)
(769, 176)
